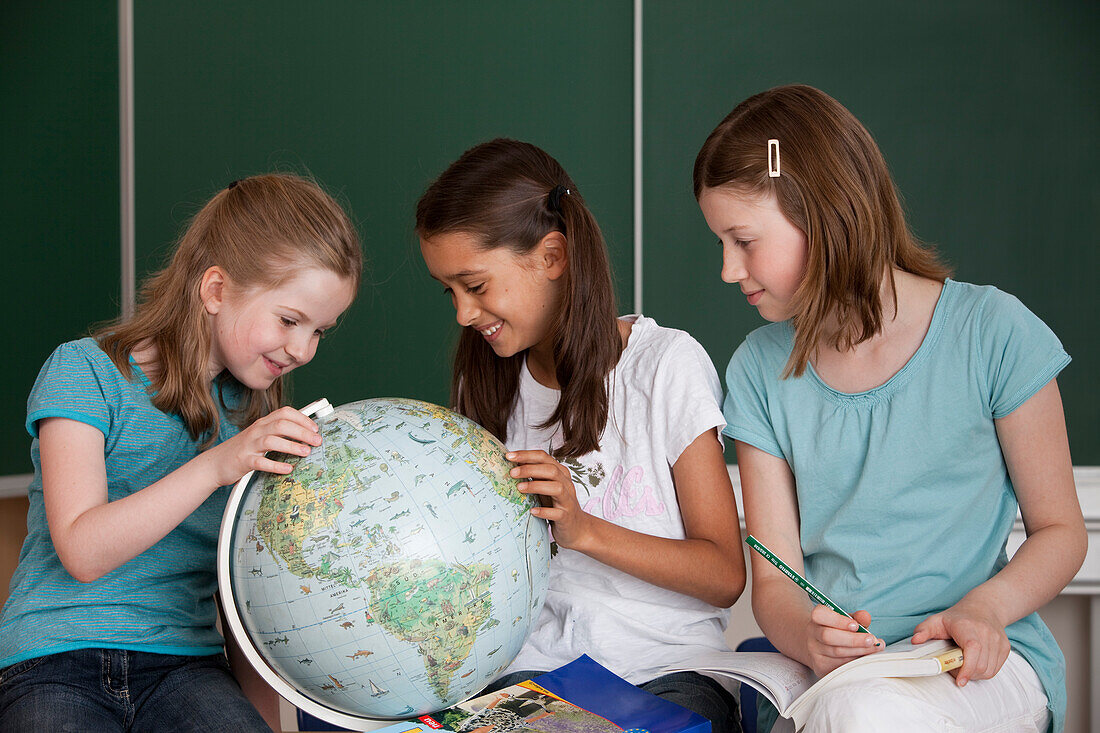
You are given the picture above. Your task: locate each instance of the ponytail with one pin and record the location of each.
(587, 344)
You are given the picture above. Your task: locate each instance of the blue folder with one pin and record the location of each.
(587, 684)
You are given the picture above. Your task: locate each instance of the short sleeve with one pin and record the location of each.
(746, 404)
(1019, 353)
(692, 393)
(73, 384)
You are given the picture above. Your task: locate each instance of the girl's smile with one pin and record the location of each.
(260, 335)
(762, 251)
(509, 299)
(491, 332)
(274, 367)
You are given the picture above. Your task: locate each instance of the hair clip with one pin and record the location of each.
(773, 168)
(554, 197)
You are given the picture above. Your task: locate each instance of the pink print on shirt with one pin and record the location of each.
(626, 496)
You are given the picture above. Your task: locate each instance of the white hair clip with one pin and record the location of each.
(773, 162)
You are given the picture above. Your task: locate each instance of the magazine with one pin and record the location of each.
(579, 697)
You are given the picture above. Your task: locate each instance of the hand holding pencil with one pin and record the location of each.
(836, 636)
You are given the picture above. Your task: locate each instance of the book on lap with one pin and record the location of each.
(793, 687)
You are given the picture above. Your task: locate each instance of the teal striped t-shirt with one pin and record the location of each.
(904, 500)
(160, 601)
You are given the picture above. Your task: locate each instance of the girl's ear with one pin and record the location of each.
(553, 253)
(212, 289)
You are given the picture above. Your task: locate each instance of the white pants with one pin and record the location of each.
(1013, 700)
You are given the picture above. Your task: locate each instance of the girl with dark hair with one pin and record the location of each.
(888, 424)
(138, 431)
(612, 422)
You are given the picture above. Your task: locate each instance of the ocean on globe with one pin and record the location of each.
(395, 572)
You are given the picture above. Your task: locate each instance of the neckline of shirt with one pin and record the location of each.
(145, 381)
(895, 382)
(549, 395)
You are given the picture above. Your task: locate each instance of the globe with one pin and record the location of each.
(394, 572)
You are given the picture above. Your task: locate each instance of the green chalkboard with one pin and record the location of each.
(375, 99)
(987, 113)
(58, 192)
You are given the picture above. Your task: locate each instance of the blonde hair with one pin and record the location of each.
(260, 230)
(835, 187)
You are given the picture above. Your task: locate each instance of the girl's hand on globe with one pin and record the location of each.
(285, 430)
(553, 486)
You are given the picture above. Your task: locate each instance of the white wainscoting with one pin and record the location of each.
(15, 485)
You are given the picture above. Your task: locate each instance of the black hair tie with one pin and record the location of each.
(233, 184)
(554, 199)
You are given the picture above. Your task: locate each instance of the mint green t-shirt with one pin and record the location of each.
(160, 601)
(905, 503)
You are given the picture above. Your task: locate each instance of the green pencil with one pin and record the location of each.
(815, 595)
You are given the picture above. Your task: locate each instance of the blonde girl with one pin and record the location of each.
(138, 431)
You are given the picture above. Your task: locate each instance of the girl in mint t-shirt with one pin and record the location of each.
(888, 423)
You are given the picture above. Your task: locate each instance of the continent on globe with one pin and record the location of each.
(435, 606)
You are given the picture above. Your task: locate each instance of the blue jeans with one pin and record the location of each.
(690, 690)
(107, 690)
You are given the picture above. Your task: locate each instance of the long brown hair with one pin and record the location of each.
(500, 193)
(260, 230)
(834, 186)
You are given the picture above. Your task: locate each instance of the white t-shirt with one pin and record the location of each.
(663, 394)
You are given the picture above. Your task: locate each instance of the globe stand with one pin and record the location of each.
(320, 408)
